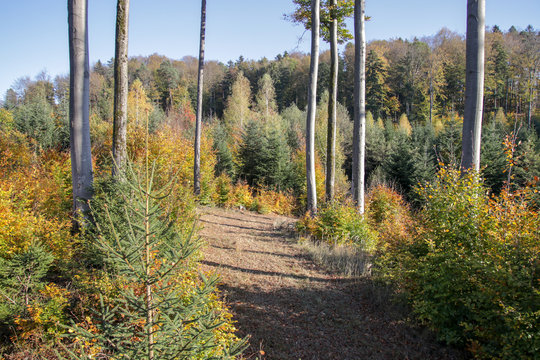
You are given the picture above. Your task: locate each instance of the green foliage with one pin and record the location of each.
(225, 162)
(161, 308)
(448, 143)
(493, 159)
(157, 117)
(21, 279)
(264, 156)
(471, 271)
(36, 119)
(294, 117)
(343, 10)
(399, 161)
(340, 224)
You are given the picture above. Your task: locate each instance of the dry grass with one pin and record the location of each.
(344, 259)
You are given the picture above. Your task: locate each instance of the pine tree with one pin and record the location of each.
(153, 315)
(278, 162)
(376, 87)
(225, 161)
(493, 156)
(253, 154)
(376, 149)
(21, 279)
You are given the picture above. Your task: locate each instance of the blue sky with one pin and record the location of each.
(33, 33)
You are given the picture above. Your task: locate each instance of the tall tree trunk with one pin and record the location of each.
(79, 109)
(359, 130)
(332, 109)
(119, 147)
(312, 106)
(532, 84)
(431, 97)
(198, 122)
(474, 85)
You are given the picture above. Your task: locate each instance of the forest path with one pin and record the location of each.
(294, 309)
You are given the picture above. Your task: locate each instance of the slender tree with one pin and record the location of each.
(359, 132)
(79, 107)
(119, 147)
(474, 85)
(333, 30)
(312, 106)
(198, 121)
(332, 106)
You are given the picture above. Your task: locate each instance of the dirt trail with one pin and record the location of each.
(293, 309)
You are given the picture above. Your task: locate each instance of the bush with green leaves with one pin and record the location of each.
(160, 308)
(472, 269)
(340, 224)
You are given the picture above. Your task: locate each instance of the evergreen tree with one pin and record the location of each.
(293, 118)
(36, 120)
(376, 150)
(493, 157)
(448, 143)
(377, 88)
(399, 164)
(225, 161)
(167, 79)
(423, 156)
(253, 154)
(153, 315)
(21, 278)
(278, 164)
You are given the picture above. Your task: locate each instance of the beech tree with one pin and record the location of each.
(119, 147)
(79, 107)
(359, 132)
(334, 31)
(474, 85)
(312, 105)
(332, 107)
(198, 120)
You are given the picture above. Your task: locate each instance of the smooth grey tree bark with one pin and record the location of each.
(474, 85)
(119, 147)
(79, 110)
(332, 109)
(312, 106)
(198, 121)
(359, 128)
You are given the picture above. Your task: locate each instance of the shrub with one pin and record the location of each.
(340, 224)
(276, 202)
(471, 271)
(387, 211)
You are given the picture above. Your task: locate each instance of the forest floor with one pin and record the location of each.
(292, 308)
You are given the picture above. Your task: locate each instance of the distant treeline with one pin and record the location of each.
(423, 78)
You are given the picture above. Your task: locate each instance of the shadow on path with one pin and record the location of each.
(293, 309)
